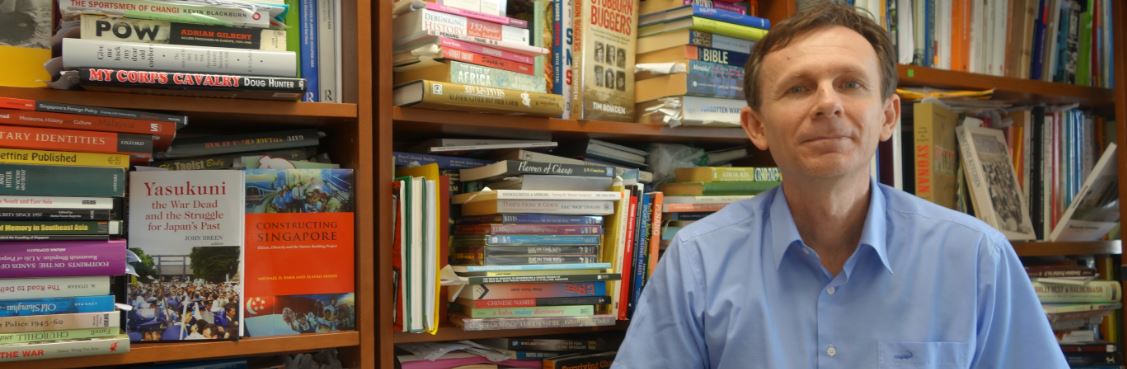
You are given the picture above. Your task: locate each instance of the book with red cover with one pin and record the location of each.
(163, 132)
(300, 268)
(139, 147)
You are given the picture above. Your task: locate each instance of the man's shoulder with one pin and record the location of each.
(733, 219)
(914, 211)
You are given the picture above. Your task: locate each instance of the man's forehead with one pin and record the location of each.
(831, 46)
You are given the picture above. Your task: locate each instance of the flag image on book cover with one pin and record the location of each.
(605, 34)
(300, 242)
(187, 229)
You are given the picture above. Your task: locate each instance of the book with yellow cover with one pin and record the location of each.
(25, 42)
(63, 158)
(721, 174)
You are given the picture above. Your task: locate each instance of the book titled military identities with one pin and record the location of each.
(299, 255)
(190, 225)
(605, 34)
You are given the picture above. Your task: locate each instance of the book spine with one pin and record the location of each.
(545, 278)
(557, 229)
(532, 219)
(215, 85)
(37, 288)
(62, 259)
(1066, 293)
(232, 161)
(451, 95)
(518, 240)
(450, 25)
(487, 61)
(735, 8)
(485, 251)
(519, 23)
(403, 159)
(99, 27)
(473, 259)
(534, 290)
(243, 143)
(707, 111)
(187, 12)
(720, 42)
(79, 53)
(509, 268)
(489, 324)
(326, 52)
(63, 349)
(728, 29)
(692, 208)
(547, 301)
(63, 335)
(563, 47)
(535, 311)
(32, 105)
(471, 74)
(60, 158)
(162, 132)
(58, 305)
(518, 167)
(718, 56)
(52, 202)
(593, 361)
(722, 15)
(714, 80)
(38, 180)
(36, 138)
(445, 42)
(58, 227)
(54, 214)
(58, 322)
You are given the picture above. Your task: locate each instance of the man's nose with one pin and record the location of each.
(829, 102)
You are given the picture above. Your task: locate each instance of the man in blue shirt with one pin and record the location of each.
(833, 270)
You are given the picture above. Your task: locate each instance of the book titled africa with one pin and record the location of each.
(605, 34)
(300, 269)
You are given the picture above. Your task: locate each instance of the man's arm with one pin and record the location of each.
(666, 329)
(1013, 331)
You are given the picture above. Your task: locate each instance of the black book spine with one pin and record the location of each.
(215, 85)
(180, 120)
(227, 144)
(54, 214)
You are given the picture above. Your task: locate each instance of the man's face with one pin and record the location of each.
(821, 113)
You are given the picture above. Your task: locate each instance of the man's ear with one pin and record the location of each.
(891, 117)
(753, 126)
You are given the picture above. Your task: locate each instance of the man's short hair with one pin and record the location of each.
(823, 15)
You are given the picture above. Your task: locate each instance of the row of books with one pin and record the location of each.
(688, 67)
(552, 352)
(1082, 303)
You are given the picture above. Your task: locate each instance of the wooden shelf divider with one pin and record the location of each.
(141, 353)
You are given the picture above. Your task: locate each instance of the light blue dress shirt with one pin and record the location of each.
(928, 287)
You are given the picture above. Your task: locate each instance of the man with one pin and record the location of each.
(833, 270)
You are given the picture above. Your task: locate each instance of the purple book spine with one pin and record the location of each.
(62, 258)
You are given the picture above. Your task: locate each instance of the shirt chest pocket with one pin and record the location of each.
(920, 355)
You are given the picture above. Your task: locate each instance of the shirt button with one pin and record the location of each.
(830, 290)
(831, 351)
(806, 251)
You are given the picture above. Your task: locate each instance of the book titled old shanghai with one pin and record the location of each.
(300, 270)
(605, 34)
(187, 228)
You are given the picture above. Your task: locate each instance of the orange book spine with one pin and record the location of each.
(139, 147)
(162, 132)
(692, 208)
(960, 34)
(655, 236)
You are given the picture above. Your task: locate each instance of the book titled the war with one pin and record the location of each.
(605, 34)
(299, 251)
(187, 229)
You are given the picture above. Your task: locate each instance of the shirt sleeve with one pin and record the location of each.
(1013, 331)
(666, 329)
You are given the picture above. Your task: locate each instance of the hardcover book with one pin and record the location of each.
(160, 82)
(100, 27)
(299, 251)
(62, 349)
(187, 227)
(936, 156)
(605, 33)
(990, 176)
(79, 53)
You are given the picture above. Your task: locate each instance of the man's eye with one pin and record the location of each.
(797, 90)
(853, 85)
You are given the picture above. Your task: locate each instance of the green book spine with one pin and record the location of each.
(293, 35)
(42, 180)
(728, 29)
(536, 311)
(70, 334)
(736, 188)
(1084, 59)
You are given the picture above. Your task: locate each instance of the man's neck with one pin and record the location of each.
(829, 216)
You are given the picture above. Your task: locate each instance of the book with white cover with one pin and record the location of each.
(1095, 208)
(998, 199)
(78, 53)
(463, 198)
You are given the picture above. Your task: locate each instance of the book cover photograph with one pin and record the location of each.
(299, 251)
(25, 42)
(605, 36)
(997, 197)
(187, 229)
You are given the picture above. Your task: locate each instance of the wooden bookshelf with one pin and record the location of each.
(200, 350)
(1113, 247)
(1010, 89)
(189, 105)
(453, 333)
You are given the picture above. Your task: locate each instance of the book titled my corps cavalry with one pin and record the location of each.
(178, 83)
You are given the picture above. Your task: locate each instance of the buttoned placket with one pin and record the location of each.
(828, 350)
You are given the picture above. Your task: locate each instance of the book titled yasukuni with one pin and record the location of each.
(62, 258)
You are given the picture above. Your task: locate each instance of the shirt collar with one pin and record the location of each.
(784, 234)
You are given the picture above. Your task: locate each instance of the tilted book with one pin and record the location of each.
(605, 33)
(1095, 209)
(299, 251)
(998, 199)
(190, 223)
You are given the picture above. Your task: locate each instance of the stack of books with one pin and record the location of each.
(1077, 305)
(199, 48)
(533, 258)
(700, 191)
(691, 60)
(62, 180)
(471, 55)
